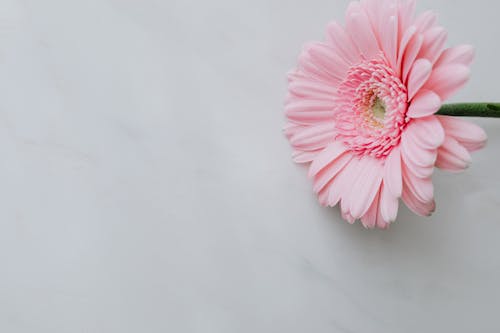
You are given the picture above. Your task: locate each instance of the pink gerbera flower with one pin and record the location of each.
(361, 110)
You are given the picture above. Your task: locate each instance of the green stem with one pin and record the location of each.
(491, 110)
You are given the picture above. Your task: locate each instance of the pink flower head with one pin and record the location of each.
(361, 111)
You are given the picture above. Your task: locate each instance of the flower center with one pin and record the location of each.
(378, 109)
(371, 112)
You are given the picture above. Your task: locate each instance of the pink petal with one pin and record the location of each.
(446, 80)
(389, 31)
(426, 132)
(366, 187)
(392, 172)
(373, 8)
(348, 217)
(434, 42)
(323, 195)
(303, 157)
(359, 28)
(329, 172)
(406, 14)
(410, 55)
(426, 21)
(327, 60)
(294, 74)
(373, 217)
(342, 182)
(388, 205)
(313, 89)
(381, 13)
(452, 156)
(416, 206)
(405, 41)
(309, 111)
(328, 155)
(419, 74)
(314, 70)
(419, 156)
(291, 129)
(314, 137)
(452, 146)
(349, 176)
(466, 133)
(421, 188)
(417, 170)
(381, 223)
(461, 54)
(369, 220)
(425, 103)
(342, 43)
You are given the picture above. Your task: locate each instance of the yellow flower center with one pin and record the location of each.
(378, 109)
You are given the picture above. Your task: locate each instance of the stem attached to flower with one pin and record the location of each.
(491, 110)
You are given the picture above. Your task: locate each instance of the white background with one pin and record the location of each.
(146, 186)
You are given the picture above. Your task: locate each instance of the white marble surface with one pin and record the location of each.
(145, 184)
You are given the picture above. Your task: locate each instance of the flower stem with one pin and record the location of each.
(491, 110)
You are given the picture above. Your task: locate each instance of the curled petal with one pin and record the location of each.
(417, 170)
(424, 104)
(461, 54)
(415, 205)
(417, 155)
(426, 132)
(466, 133)
(410, 54)
(452, 156)
(420, 73)
(446, 80)
(403, 45)
(421, 188)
